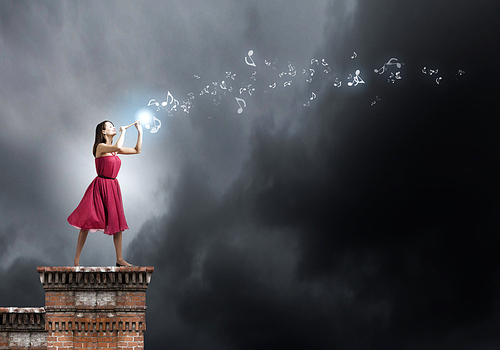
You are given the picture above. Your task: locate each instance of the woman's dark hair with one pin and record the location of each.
(99, 136)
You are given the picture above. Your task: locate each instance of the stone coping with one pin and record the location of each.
(70, 269)
(22, 310)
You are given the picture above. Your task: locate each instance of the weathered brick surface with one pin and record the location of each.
(85, 308)
(22, 328)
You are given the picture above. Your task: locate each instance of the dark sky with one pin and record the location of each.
(346, 224)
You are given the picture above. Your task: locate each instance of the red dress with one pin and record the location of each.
(101, 208)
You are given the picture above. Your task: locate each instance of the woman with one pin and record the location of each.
(101, 208)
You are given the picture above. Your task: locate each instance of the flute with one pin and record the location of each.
(128, 126)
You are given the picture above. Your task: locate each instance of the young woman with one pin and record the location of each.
(101, 208)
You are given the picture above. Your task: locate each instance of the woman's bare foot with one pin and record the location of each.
(76, 262)
(122, 262)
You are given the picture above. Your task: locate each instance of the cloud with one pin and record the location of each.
(340, 225)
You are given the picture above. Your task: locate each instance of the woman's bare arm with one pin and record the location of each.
(103, 148)
(138, 145)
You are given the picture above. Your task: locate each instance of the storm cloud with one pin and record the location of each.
(342, 225)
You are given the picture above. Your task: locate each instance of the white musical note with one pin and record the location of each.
(196, 76)
(272, 86)
(354, 55)
(230, 75)
(287, 83)
(337, 83)
(438, 80)
(153, 102)
(314, 61)
(377, 99)
(253, 76)
(241, 102)
(356, 80)
(459, 74)
(430, 71)
(169, 95)
(394, 76)
(391, 62)
(156, 126)
(307, 104)
(313, 96)
(269, 63)
(249, 59)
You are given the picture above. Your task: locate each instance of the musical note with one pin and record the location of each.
(196, 76)
(438, 80)
(354, 55)
(391, 62)
(253, 76)
(272, 86)
(308, 103)
(249, 88)
(249, 59)
(287, 83)
(430, 71)
(459, 74)
(377, 99)
(169, 95)
(241, 102)
(230, 75)
(327, 68)
(156, 126)
(314, 61)
(337, 83)
(310, 73)
(153, 102)
(269, 63)
(205, 90)
(356, 80)
(394, 76)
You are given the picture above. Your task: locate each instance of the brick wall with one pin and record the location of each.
(22, 328)
(85, 308)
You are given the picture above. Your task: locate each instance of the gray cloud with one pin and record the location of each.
(336, 226)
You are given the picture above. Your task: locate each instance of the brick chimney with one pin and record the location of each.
(22, 328)
(95, 307)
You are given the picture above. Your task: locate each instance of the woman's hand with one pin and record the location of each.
(138, 126)
(122, 129)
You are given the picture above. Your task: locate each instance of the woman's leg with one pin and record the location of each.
(117, 239)
(82, 237)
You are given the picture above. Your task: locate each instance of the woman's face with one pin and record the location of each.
(109, 129)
